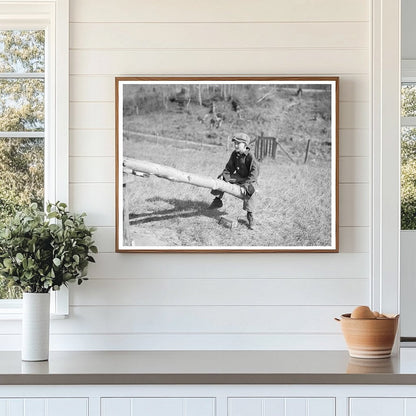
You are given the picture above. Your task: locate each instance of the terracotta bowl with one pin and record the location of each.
(369, 338)
(369, 366)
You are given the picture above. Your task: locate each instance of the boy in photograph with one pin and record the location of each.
(241, 169)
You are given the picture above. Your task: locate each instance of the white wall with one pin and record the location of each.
(215, 301)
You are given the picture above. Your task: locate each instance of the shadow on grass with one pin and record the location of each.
(180, 209)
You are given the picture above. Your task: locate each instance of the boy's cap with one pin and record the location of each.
(241, 138)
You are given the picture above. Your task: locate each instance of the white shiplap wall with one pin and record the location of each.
(215, 301)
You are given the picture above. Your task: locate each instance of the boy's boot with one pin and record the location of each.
(250, 219)
(216, 203)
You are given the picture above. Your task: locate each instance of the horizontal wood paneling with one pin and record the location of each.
(221, 62)
(92, 169)
(354, 115)
(352, 239)
(354, 170)
(354, 208)
(220, 291)
(100, 88)
(266, 265)
(167, 341)
(354, 142)
(104, 238)
(96, 199)
(92, 88)
(201, 319)
(218, 36)
(218, 11)
(93, 143)
(92, 115)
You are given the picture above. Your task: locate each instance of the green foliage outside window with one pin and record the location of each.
(408, 104)
(21, 110)
(408, 160)
(408, 182)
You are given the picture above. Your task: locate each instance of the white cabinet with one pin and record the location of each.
(160, 406)
(208, 400)
(382, 406)
(271, 406)
(44, 407)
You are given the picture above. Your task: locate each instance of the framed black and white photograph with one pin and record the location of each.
(227, 164)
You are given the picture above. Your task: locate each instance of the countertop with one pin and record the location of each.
(207, 367)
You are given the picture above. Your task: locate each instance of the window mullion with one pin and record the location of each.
(22, 75)
(408, 121)
(22, 134)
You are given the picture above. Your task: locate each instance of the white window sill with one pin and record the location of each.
(11, 309)
(13, 315)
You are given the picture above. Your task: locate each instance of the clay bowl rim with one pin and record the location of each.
(347, 316)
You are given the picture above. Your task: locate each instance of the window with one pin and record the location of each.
(408, 155)
(33, 111)
(22, 124)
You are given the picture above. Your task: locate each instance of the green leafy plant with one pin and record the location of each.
(43, 251)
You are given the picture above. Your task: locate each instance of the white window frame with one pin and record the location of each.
(385, 209)
(53, 17)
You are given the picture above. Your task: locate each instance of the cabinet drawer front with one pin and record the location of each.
(376, 406)
(281, 406)
(44, 407)
(158, 406)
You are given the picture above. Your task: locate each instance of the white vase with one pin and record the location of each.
(35, 326)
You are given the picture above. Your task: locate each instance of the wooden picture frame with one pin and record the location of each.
(175, 143)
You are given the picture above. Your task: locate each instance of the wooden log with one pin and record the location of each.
(176, 175)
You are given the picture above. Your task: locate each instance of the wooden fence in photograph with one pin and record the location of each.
(265, 146)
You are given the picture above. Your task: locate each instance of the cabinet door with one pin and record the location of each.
(160, 406)
(270, 406)
(376, 406)
(44, 407)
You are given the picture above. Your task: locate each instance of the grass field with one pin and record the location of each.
(293, 201)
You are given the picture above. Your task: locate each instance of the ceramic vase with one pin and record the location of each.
(35, 326)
